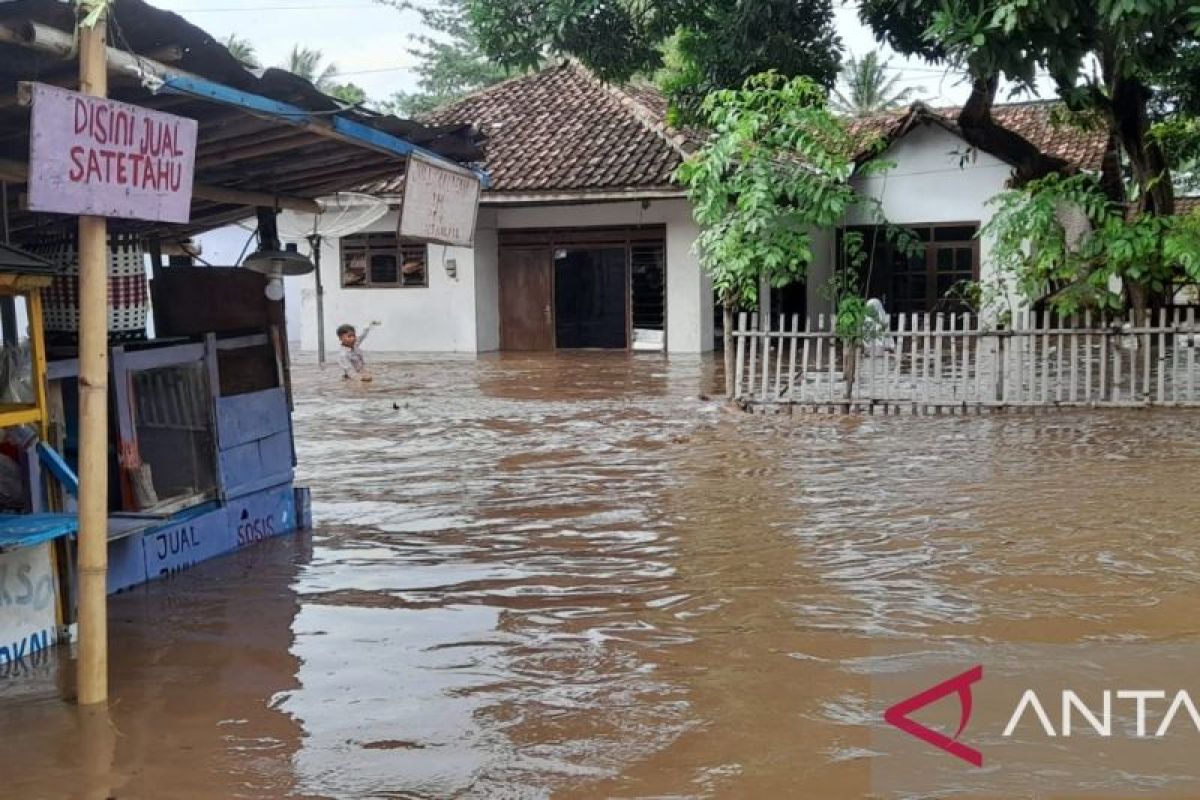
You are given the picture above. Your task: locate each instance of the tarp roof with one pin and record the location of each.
(290, 155)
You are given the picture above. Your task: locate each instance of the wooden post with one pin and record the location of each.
(92, 668)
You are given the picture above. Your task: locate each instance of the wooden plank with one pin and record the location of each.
(739, 371)
(817, 368)
(193, 301)
(752, 366)
(248, 417)
(1147, 347)
(955, 382)
(1118, 358)
(804, 358)
(1190, 350)
(1073, 358)
(1162, 355)
(155, 357)
(792, 357)
(914, 363)
(1017, 354)
(1087, 356)
(1176, 322)
(779, 359)
(833, 343)
(898, 378)
(965, 326)
(1045, 337)
(1102, 392)
(934, 378)
(1058, 378)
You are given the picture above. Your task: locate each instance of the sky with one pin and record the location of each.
(369, 41)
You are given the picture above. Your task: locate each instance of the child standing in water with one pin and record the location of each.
(351, 358)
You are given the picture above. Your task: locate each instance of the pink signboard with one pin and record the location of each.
(102, 158)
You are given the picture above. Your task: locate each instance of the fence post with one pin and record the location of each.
(740, 333)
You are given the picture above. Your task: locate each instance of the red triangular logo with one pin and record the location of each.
(961, 684)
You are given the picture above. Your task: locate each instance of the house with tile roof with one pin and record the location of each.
(583, 239)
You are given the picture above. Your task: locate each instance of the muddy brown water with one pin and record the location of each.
(570, 576)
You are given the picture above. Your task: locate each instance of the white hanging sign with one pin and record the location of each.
(94, 156)
(440, 203)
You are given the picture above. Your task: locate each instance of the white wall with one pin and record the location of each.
(437, 318)
(463, 314)
(689, 291)
(927, 184)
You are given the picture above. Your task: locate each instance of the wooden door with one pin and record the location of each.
(526, 299)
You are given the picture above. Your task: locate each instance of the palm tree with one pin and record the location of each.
(241, 49)
(306, 62)
(869, 88)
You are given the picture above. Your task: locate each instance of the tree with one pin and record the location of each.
(451, 65)
(777, 167)
(870, 89)
(714, 44)
(241, 49)
(1073, 269)
(1112, 61)
(308, 63)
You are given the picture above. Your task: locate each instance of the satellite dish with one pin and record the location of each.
(341, 214)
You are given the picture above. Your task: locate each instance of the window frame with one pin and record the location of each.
(927, 232)
(385, 243)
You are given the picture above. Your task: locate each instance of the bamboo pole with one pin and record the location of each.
(92, 675)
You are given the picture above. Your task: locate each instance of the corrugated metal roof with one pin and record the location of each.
(237, 150)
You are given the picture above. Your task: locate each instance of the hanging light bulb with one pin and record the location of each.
(274, 290)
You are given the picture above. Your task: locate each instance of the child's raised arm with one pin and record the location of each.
(362, 337)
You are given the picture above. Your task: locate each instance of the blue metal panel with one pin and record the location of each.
(126, 563)
(180, 545)
(347, 129)
(275, 453)
(240, 465)
(27, 530)
(263, 515)
(247, 417)
(59, 468)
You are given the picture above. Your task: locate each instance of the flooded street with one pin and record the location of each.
(571, 576)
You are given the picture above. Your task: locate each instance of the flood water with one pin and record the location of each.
(571, 576)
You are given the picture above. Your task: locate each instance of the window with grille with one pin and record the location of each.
(648, 294)
(924, 280)
(382, 260)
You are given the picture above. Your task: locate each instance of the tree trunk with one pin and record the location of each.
(727, 311)
(1137, 299)
(1131, 124)
(981, 131)
(850, 370)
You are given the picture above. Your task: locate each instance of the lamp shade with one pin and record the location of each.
(275, 263)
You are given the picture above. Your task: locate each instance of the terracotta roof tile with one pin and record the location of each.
(1082, 148)
(563, 130)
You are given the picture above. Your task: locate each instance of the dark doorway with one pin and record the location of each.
(590, 287)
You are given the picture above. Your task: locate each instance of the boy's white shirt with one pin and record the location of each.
(351, 359)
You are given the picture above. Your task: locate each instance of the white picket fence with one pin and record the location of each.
(951, 363)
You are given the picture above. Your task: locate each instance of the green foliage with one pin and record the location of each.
(348, 93)
(1032, 244)
(451, 63)
(709, 44)
(777, 167)
(241, 49)
(309, 63)
(721, 44)
(870, 88)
